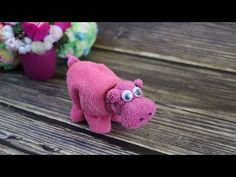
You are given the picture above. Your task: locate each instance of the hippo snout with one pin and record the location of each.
(137, 112)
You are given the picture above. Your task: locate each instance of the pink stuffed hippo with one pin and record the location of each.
(99, 97)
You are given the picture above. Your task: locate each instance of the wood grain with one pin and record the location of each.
(196, 106)
(24, 130)
(209, 45)
(6, 150)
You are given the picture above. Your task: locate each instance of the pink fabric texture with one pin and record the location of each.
(96, 92)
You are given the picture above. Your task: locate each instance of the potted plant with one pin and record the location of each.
(35, 42)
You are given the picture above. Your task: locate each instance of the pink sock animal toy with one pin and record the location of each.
(99, 96)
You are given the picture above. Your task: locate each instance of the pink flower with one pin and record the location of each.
(36, 30)
(63, 25)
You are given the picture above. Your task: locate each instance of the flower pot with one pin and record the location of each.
(40, 67)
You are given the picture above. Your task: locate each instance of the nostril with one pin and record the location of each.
(141, 119)
(150, 113)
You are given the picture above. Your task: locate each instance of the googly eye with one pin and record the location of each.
(127, 95)
(137, 91)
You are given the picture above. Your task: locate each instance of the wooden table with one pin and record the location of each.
(189, 70)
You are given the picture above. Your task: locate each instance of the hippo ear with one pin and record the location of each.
(113, 96)
(139, 83)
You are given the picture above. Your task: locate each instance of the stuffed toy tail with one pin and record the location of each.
(72, 60)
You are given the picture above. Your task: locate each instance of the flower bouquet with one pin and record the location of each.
(35, 43)
(8, 58)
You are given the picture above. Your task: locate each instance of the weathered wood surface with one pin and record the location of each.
(27, 131)
(7, 150)
(210, 45)
(196, 106)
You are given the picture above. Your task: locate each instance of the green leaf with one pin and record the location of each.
(17, 29)
(64, 39)
(2, 46)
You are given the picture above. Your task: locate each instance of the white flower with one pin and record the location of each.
(12, 44)
(49, 38)
(18, 43)
(21, 43)
(22, 50)
(48, 45)
(27, 40)
(7, 28)
(7, 35)
(38, 47)
(56, 32)
(28, 48)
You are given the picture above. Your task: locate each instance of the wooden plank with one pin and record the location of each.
(196, 106)
(167, 134)
(210, 45)
(6, 150)
(22, 130)
(3, 153)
